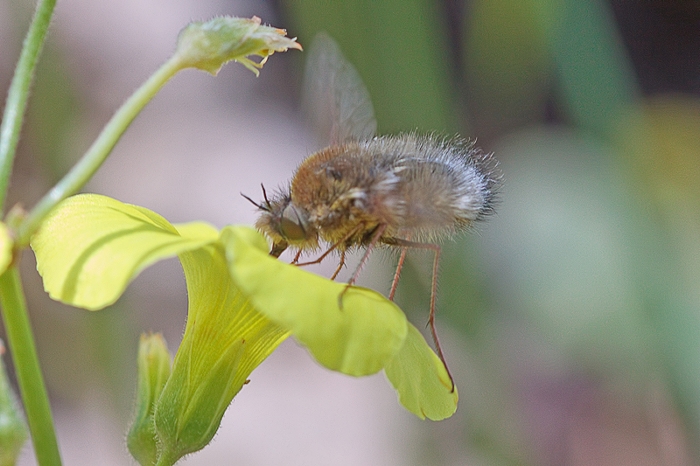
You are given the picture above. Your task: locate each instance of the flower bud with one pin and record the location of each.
(208, 45)
(153, 371)
(13, 430)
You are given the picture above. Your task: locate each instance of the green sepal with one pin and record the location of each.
(358, 339)
(153, 362)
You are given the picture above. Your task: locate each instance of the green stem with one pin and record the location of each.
(18, 92)
(31, 382)
(76, 178)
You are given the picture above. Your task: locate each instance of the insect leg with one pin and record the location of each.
(349, 235)
(320, 258)
(397, 274)
(373, 242)
(433, 290)
(340, 265)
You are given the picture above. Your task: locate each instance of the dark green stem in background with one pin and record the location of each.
(31, 382)
(19, 92)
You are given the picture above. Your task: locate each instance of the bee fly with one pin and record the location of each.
(404, 191)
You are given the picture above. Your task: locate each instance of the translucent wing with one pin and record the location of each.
(334, 96)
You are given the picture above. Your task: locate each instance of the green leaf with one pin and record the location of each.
(421, 380)
(358, 339)
(91, 246)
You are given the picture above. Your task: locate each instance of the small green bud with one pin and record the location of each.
(153, 362)
(190, 410)
(208, 45)
(13, 430)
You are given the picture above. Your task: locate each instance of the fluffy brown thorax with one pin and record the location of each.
(419, 187)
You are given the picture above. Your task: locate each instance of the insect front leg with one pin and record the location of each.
(373, 242)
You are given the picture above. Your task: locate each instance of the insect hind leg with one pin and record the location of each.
(399, 268)
(405, 245)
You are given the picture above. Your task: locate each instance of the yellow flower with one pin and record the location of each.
(242, 304)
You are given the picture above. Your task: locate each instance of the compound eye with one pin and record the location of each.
(292, 226)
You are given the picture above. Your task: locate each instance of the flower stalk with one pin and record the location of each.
(99, 150)
(13, 429)
(31, 382)
(18, 93)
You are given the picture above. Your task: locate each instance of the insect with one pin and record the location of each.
(362, 192)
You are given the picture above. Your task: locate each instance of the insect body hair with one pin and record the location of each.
(440, 185)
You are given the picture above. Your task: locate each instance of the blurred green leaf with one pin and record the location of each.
(562, 246)
(399, 48)
(595, 77)
(507, 63)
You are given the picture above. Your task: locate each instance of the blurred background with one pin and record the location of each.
(571, 319)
